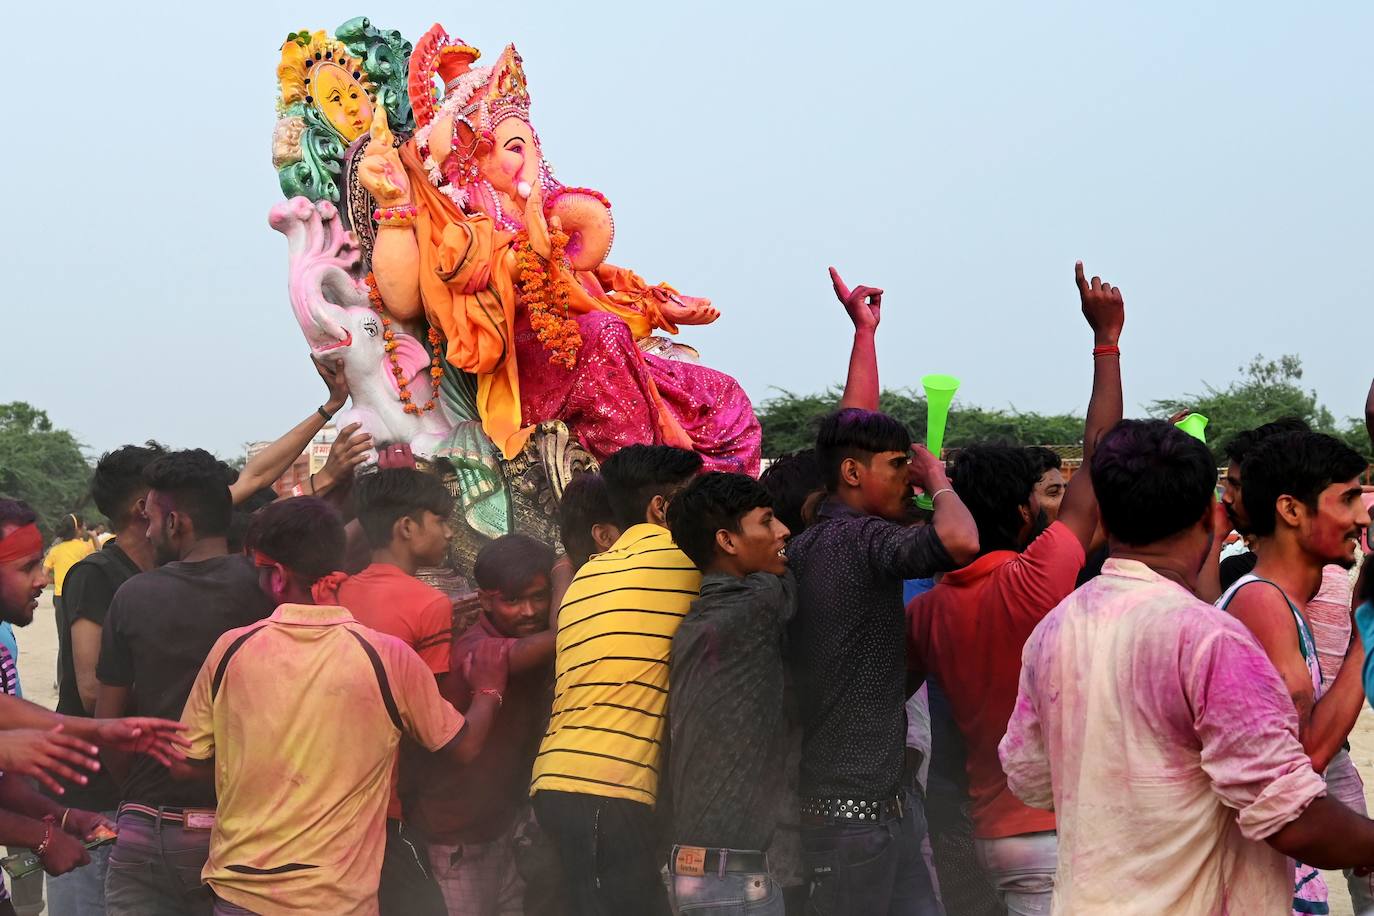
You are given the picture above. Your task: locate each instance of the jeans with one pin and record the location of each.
(225, 908)
(480, 879)
(609, 851)
(407, 888)
(1022, 869)
(81, 892)
(870, 869)
(154, 870)
(730, 894)
(1343, 781)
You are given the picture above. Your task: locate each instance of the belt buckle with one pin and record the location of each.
(690, 861)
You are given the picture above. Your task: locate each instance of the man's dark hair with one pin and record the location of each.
(1297, 464)
(118, 480)
(1152, 480)
(387, 495)
(510, 563)
(708, 504)
(994, 481)
(15, 513)
(195, 482)
(585, 503)
(67, 526)
(1244, 442)
(637, 473)
(303, 534)
(1043, 460)
(858, 434)
(790, 481)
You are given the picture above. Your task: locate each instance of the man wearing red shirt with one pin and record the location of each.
(968, 632)
(471, 814)
(404, 513)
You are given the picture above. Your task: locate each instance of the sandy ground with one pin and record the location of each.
(38, 672)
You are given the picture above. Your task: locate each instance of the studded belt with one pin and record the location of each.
(851, 809)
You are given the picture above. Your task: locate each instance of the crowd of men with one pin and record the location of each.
(799, 694)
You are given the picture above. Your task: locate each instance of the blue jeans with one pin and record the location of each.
(1022, 868)
(730, 894)
(873, 869)
(154, 870)
(81, 892)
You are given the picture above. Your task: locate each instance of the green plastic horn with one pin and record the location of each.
(1194, 425)
(939, 396)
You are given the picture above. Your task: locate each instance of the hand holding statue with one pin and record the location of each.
(380, 170)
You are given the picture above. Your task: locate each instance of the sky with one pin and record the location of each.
(1212, 160)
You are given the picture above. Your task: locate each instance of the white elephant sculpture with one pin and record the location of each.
(331, 305)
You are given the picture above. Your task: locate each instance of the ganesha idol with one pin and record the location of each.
(476, 237)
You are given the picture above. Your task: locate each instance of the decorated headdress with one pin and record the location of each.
(476, 98)
(307, 148)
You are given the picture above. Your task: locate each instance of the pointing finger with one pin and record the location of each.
(841, 289)
(1078, 277)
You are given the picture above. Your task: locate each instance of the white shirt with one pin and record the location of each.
(1159, 732)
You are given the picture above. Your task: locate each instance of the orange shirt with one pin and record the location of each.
(302, 714)
(387, 599)
(968, 632)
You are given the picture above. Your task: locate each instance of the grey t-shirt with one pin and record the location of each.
(726, 711)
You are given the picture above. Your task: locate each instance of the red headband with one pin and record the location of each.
(21, 543)
(324, 591)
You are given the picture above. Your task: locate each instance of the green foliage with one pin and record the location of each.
(1267, 390)
(789, 421)
(40, 464)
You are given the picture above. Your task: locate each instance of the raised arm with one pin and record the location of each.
(865, 306)
(1105, 312)
(270, 463)
(396, 254)
(952, 523)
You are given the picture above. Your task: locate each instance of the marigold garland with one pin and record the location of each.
(436, 362)
(548, 302)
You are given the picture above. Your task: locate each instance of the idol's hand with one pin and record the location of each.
(535, 224)
(380, 170)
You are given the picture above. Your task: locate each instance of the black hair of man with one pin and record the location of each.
(1242, 443)
(858, 434)
(118, 480)
(1297, 464)
(791, 480)
(67, 526)
(194, 480)
(15, 513)
(304, 534)
(1152, 481)
(510, 563)
(995, 481)
(585, 503)
(711, 503)
(385, 496)
(637, 473)
(1044, 460)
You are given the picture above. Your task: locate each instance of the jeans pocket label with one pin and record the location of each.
(690, 861)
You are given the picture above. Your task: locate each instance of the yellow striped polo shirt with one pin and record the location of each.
(615, 632)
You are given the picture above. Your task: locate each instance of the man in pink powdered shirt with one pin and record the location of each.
(1155, 725)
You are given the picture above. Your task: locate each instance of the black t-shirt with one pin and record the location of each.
(87, 591)
(159, 630)
(1235, 566)
(727, 713)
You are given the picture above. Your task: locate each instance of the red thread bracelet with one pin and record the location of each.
(1108, 350)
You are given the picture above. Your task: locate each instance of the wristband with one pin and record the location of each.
(1107, 350)
(324, 413)
(492, 691)
(41, 849)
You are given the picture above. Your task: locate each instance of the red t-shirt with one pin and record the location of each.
(968, 632)
(388, 600)
(476, 802)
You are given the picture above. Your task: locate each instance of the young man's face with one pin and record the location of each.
(884, 485)
(1332, 532)
(1230, 499)
(158, 509)
(430, 539)
(21, 584)
(759, 543)
(524, 613)
(1049, 490)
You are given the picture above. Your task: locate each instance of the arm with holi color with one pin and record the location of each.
(865, 307)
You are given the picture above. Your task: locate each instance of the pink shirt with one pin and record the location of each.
(1328, 615)
(1159, 732)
